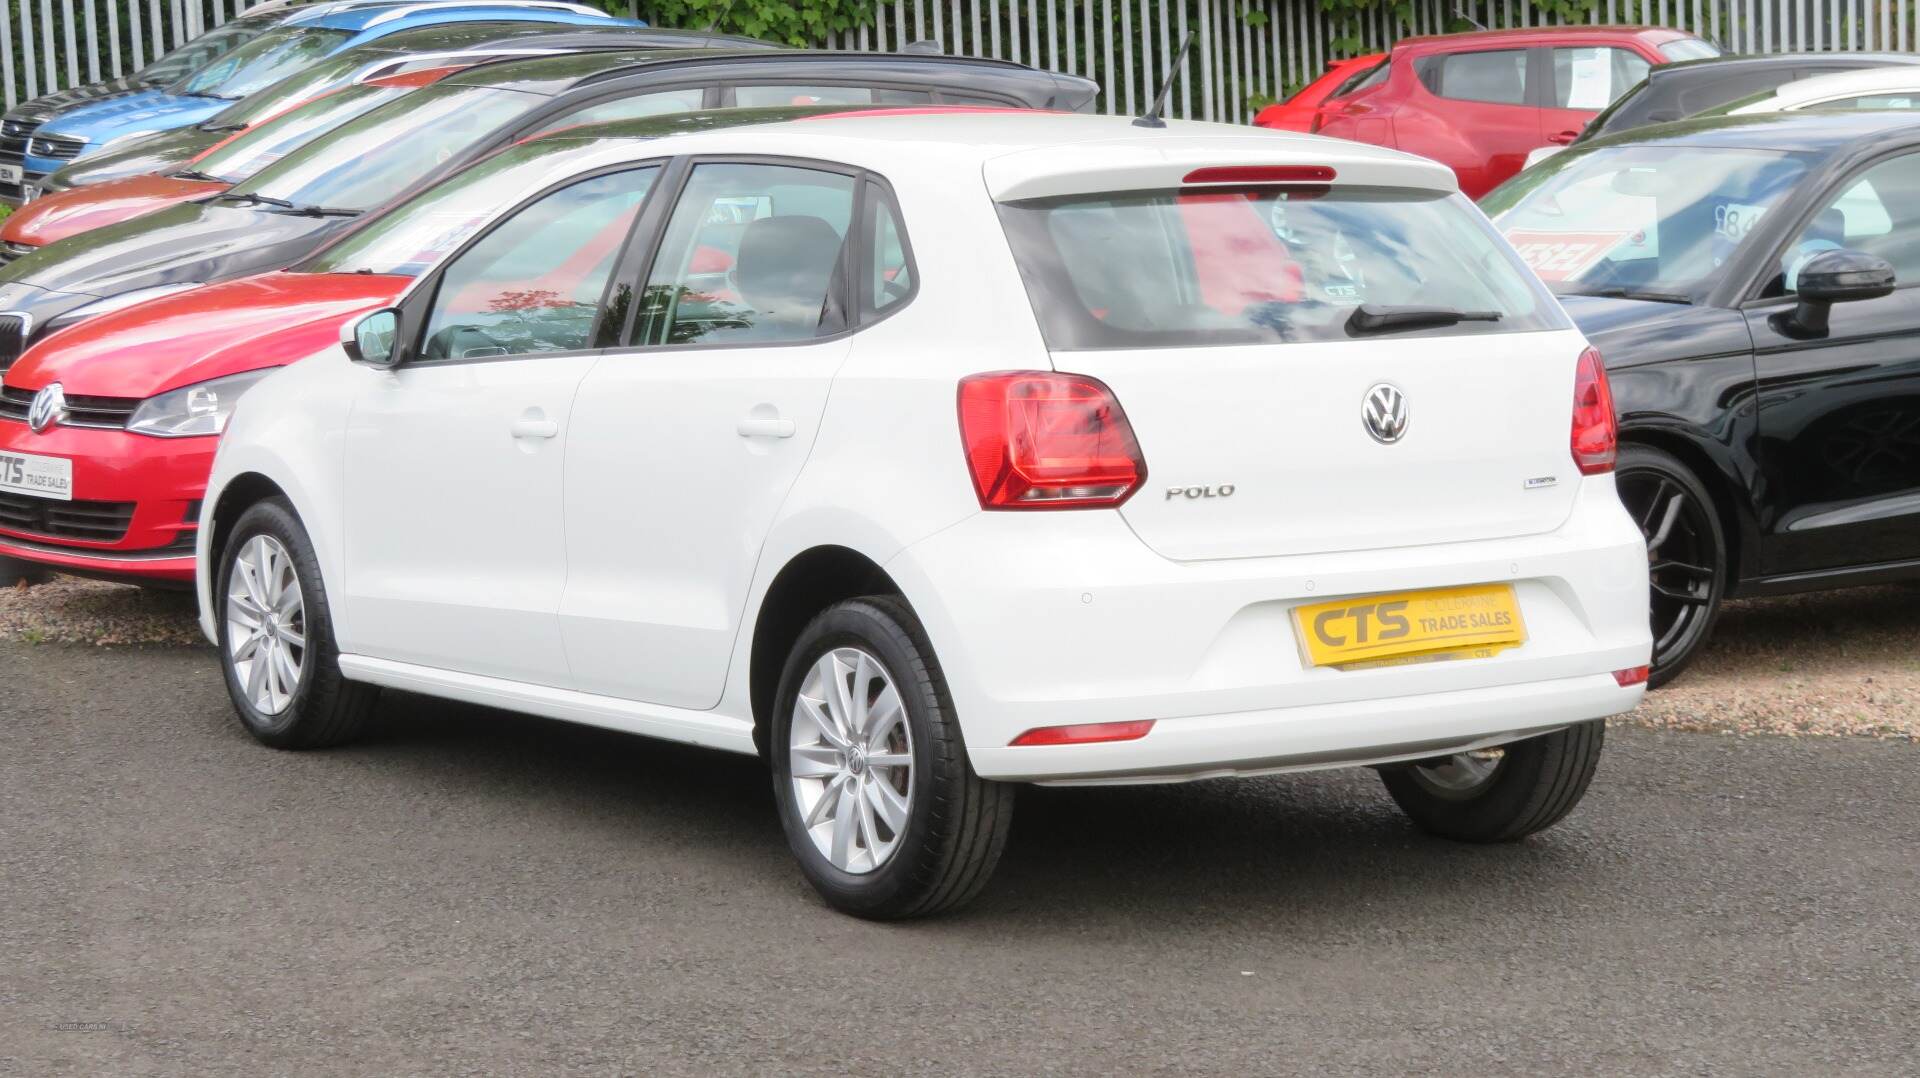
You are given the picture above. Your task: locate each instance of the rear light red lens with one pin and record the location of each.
(1042, 440)
(1633, 676)
(1596, 433)
(1086, 733)
(1262, 173)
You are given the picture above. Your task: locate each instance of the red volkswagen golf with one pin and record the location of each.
(1480, 102)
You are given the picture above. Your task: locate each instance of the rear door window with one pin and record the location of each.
(1497, 77)
(1593, 78)
(753, 254)
(1261, 265)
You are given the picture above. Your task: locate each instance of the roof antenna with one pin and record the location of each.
(1151, 118)
(1470, 20)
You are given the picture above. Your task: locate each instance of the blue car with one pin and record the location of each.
(304, 39)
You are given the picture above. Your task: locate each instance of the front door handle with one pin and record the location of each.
(764, 428)
(535, 427)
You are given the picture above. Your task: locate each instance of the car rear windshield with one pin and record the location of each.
(1653, 219)
(261, 62)
(372, 158)
(1177, 268)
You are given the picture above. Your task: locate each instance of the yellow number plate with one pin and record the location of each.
(1410, 627)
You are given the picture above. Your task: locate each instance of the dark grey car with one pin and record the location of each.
(288, 211)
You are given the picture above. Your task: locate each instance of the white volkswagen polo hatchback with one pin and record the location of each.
(930, 454)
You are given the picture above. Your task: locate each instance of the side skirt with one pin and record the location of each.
(705, 728)
(1828, 579)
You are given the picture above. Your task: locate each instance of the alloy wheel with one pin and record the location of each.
(266, 624)
(1462, 776)
(1681, 559)
(851, 760)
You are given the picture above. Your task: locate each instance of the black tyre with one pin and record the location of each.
(276, 636)
(1502, 794)
(1686, 554)
(879, 801)
(13, 571)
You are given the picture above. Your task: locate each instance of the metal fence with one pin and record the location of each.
(1245, 51)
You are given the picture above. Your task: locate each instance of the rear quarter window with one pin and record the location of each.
(1176, 268)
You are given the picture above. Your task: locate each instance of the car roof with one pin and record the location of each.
(1473, 39)
(366, 18)
(684, 123)
(1818, 132)
(551, 75)
(1029, 153)
(1714, 66)
(1866, 80)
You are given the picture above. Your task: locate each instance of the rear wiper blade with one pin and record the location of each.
(1619, 291)
(258, 200)
(1382, 318)
(221, 129)
(194, 174)
(212, 97)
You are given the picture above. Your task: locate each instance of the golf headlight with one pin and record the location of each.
(195, 410)
(115, 303)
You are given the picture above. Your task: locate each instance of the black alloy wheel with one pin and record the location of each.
(1686, 554)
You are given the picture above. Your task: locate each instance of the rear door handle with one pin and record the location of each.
(529, 427)
(1563, 138)
(765, 428)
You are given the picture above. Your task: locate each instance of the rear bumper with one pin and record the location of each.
(162, 478)
(1073, 620)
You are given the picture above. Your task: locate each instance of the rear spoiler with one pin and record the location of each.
(1171, 160)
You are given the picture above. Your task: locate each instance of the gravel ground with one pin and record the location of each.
(1840, 662)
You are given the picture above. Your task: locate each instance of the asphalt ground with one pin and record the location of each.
(473, 892)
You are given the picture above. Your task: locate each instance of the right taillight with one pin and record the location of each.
(1596, 433)
(1044, 440)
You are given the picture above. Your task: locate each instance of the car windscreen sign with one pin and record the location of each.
(1563, 256)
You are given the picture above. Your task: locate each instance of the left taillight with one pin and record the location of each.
(1045, 440)
(1596, 433)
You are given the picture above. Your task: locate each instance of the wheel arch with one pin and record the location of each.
(808, 583)
(240, 492)
(1709, 465)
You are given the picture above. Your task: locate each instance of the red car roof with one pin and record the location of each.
(1536, 35)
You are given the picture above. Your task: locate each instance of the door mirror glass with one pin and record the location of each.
(374, 340)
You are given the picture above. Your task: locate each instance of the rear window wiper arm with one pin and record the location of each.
(1383, 318)
(195, 174)
(221, 129)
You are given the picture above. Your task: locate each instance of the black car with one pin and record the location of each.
(23, 119)
(429, 46)
(1678, 91)
(288, 210)
(1751, 282)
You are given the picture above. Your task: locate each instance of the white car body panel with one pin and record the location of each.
(1037, 618)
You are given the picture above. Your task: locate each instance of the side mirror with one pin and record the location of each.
(374, 339)
(1832, 277)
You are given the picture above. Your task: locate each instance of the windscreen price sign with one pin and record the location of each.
(1563, 256)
